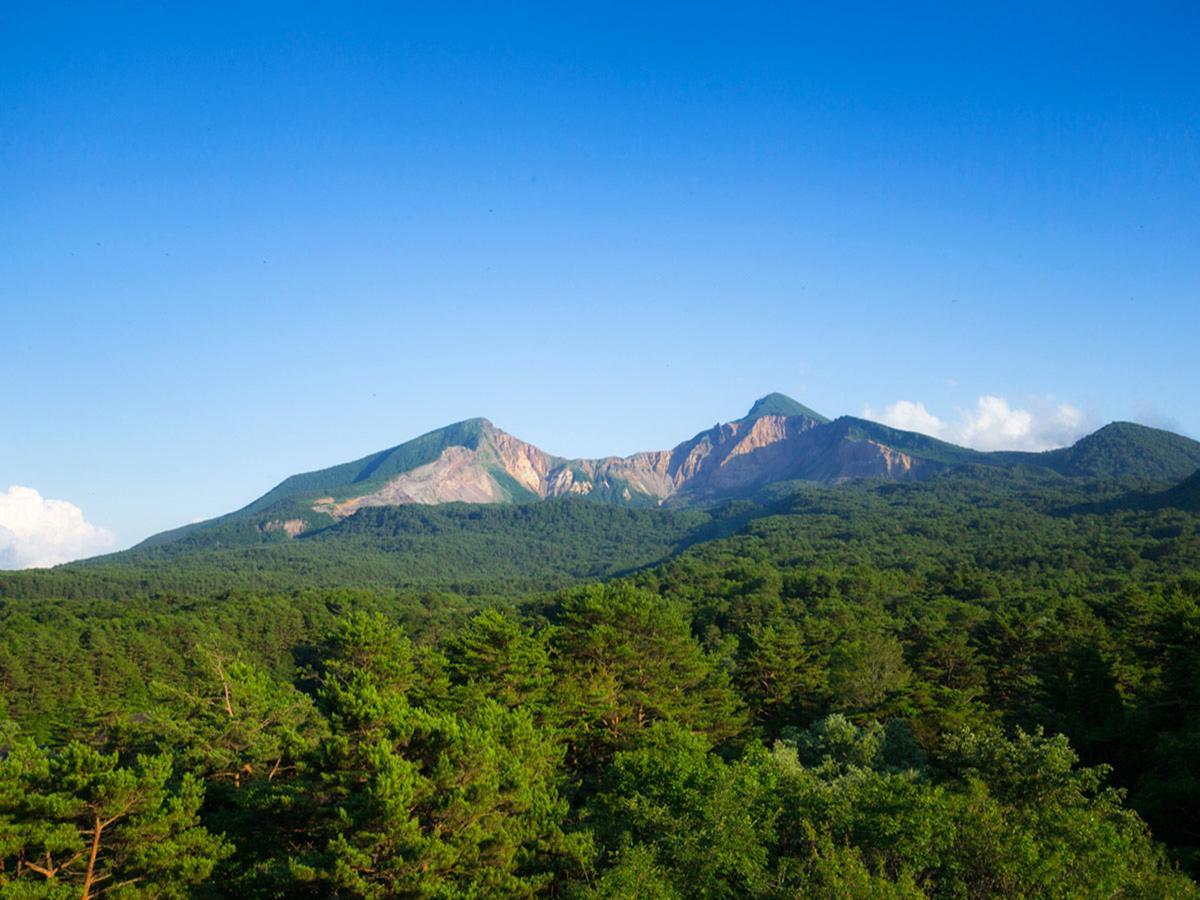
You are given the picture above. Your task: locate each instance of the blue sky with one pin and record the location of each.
(240, 244)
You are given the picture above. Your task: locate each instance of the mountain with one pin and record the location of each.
(1123, 449)
(778, 440)
(476, 462)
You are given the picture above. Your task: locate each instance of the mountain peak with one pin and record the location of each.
(777, 404)
(1126, 448)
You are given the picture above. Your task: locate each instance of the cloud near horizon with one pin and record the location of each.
(37, 532)
(994, 424)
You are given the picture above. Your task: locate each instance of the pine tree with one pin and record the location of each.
(77, 822)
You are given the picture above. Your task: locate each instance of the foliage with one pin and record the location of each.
(75, 822)
(983, 685)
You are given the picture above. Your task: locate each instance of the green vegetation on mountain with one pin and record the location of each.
(781, 405)
(910, 442)
(467, 548)
(362, 475)
(982, 684)
(372, 471)
(1122, 450)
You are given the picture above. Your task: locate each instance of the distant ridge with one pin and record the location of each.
(778, 440)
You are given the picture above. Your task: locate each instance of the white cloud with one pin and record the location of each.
(36, 532)
(909, 416)
(994, 424)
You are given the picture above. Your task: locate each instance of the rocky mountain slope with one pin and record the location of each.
(777, 440)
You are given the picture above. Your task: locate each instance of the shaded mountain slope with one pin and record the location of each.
(1185, 495)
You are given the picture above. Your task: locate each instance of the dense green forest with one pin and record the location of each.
(468, 549)
(987, 684)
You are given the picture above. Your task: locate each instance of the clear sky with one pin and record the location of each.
(239, 244)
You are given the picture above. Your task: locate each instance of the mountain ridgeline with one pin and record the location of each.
(778, 441)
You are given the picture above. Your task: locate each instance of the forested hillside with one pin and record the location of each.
(466, 548)
(987, 684)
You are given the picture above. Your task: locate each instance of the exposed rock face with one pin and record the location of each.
(723, 461)
(527, 465)
(291, 527)
(455, 475)
(743, 454)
